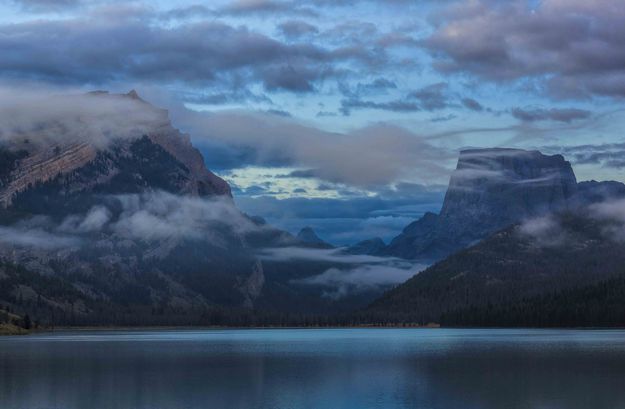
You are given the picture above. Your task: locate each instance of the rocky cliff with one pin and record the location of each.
(489, 189)
(109, 216)
(44, 166)
(59, 157)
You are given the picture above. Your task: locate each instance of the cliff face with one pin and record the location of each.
(44, 166)
(489, 190)
(43, 162)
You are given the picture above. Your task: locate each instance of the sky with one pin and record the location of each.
(343, 115)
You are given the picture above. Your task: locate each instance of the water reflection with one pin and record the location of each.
(356, 368)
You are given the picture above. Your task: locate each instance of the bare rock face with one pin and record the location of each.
(489, 190)
(507, 184)
(252, 287)
(44, 166)
(39, 163)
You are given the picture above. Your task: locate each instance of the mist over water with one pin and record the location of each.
(318, 368)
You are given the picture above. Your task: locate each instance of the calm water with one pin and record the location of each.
(334, 368)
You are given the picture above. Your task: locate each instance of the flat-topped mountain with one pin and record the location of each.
(489, 189)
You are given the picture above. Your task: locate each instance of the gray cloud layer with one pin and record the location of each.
(149, 217)
(385, 153)
(45, 118)
(573, 47)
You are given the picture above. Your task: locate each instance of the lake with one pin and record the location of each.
(314, 368)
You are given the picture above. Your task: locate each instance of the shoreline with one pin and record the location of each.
(12, 330)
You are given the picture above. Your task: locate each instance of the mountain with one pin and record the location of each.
(590, 192)
(489, 189)
(72, 166)
(308, 237)
(371, 247)
(108, 215)
(517, 275)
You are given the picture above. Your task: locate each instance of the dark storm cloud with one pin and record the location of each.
(46, 5)
(432, 97)
(572, 47)
(120, 44)
(377, 86)
(247, 7)
(608, 155)
(182, 13)
(566, 115)
(296, 28)
(224, 97)
(399, 105)
(429, 98)
(472, 104)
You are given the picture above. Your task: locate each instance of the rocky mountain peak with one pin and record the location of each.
(489, 190)
(114, 125)
(308, 236)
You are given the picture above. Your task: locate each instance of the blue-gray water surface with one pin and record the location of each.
(314, 368)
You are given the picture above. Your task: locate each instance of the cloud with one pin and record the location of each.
(349, 219)
(247, 7)
(160, 215)
(46, 5)
(358, 272)
(113, 45)
(135, 43)
(608, 155)
(566, 115)
(611, 214)
(183, 13)
(283, 254)
(275, 140)
(379, 85)
(429, 98)
(151, 216)
(571, 48)
(22, 236)
(545, 231)
(41, 117)
(472, 104)
(93, 221)
(607, 216)
(398, 105)
(341, 282)
(293, 29)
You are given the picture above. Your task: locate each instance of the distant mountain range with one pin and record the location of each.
(489, 190)
(125, 225)
(560, 270)
(111, 217)
(538, 244)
